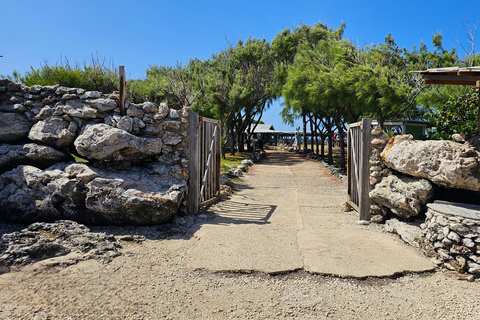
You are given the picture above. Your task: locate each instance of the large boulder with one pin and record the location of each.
(90, 195)
(14, 127)
(54, 131)
(103, 142)
(445, 163)
(404, 196)
(34, 154)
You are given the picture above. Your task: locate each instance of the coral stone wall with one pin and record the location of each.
(136, 169)
(452, 236)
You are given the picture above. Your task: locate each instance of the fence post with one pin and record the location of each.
(193, 164)
(218, 159)
(122, 90)
(364, 181)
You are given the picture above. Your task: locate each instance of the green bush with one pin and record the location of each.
(456, 115)
(94, 76)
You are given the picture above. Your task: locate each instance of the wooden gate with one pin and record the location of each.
(358, 167)
(204, 161)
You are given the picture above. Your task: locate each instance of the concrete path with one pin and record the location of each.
(288, 216)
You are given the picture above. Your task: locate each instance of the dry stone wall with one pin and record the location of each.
(452, 236)
(404, 175)
(137, 163)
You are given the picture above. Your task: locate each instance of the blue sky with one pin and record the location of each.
(139, 33)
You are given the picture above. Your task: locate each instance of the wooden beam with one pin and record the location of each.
(445, 82)
(193, 164)
(478, 112)
(122, 90)
(364, 180)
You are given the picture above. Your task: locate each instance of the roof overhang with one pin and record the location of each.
(455, 76)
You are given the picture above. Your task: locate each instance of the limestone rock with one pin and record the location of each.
(103, 104)
(14, 127)
(91, 95)
(41, 241)
(102, 142)
(404, 196)
(445, 163)
(54, 131)
(458, 137)
(90, 195)
(149, 107)
(12, 156)
(125, 123)
(407, 232)
(134, 111)
(163, 110)
(76, 108)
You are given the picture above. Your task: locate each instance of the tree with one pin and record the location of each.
(239, 86)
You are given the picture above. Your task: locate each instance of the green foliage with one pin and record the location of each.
(456, 115)
(95, 76)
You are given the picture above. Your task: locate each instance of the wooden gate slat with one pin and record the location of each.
(358, 170)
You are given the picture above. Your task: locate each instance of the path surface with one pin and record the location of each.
(159, 278)
(289, 216)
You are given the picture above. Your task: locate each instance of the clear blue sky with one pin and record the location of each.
(139, 33)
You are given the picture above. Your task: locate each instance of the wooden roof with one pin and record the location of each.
(469, 76)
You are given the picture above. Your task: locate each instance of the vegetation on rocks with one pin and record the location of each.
(323, 78)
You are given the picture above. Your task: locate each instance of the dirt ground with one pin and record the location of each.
(153, 280)
(150, 281)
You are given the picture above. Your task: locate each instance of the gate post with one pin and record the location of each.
(364, 179)
(193, 164)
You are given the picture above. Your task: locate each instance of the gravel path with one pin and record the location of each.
(152, 280)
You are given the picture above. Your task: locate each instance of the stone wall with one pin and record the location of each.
(405, 173)
(452, 236)
(136, 165)
(404, 177)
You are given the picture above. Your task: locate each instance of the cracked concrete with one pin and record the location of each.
(288, 215)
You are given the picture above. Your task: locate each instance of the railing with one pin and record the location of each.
(358, 167)
(204, 161)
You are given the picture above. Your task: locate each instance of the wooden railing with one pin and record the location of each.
(358, 167)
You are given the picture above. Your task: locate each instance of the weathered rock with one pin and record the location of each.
(91, 195)
(91, 95)
(54, 131)
(102, 142)
(445, 163)
(163, 110)
(378, 138)
(14, 127)
(77, 108)
(40, 241)
(103, 104)
(404, 196)
(235, 172)
(125, 123)
(247, 162)
(34, 154)
(133, 111)
(407, 232)
(149, 107)
(457, 137)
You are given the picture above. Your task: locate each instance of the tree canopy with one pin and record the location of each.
(324, 79)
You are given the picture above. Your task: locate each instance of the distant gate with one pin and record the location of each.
(204, 161)
(358, 167)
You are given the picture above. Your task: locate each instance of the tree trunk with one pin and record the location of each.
(330, 145)
(241, 142)
(232, 138)
(316, 135)
(304, 132)
(311, 133)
